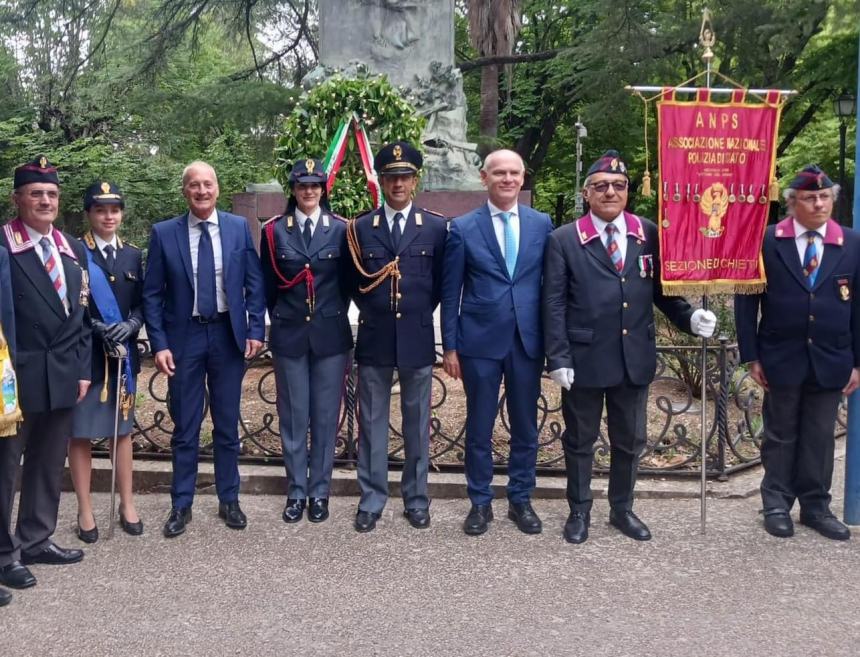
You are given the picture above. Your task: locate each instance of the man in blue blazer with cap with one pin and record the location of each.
(491, 329)
(204, 305)
(801, 338)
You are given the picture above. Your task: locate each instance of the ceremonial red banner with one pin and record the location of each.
(716, 168)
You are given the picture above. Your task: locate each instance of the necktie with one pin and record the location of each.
(396, 233)
(53, 268)
(306, 233)
(810, 258)
(510, 243)
(110, 259)
(613, 249)
(206, 304)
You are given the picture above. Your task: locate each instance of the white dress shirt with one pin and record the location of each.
(801, 242)
(194, 239)
(314, 216)
(499, 225)
(620, 236)
(389, 216)
(101, 244)
(35, 236)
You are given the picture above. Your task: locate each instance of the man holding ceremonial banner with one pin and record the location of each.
(804, 351)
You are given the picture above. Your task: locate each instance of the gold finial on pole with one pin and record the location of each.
(707, 38)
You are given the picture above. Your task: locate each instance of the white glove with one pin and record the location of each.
(703, 323)
(563, 377)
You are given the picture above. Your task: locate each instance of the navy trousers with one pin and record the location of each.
(209, 358)
(482, 378)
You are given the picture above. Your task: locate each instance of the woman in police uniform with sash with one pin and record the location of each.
(116, 279)
(306, 274)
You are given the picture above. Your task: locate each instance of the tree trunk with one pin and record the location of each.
(489, 120)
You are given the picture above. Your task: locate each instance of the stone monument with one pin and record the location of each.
(412, 42)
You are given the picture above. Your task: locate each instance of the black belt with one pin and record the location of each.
(220, 317)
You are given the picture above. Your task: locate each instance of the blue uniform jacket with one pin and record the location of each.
(402, 337)
(483, 308)
(296, 328)
(600, 322)
(802, 328)
(168, 287)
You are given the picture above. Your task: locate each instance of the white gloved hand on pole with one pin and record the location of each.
(703, 323)
(563, 377)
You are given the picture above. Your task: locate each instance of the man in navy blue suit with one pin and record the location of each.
(491, 328)
(804, 350)
(204, 305)
(601, 283)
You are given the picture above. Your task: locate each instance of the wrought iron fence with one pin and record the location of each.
(733, 430)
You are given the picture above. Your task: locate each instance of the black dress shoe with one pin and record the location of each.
(53, 554)
(418, 518)
(293, 511)
(576, 527)
(176, 521)
(87, 535)
(5, 597)
(777, 522)
(231, 514)
(827, 525)
(365, 521)
(629, 525)
(317, 509)
(132, 528)
(525, 517)
(476, 523)
(17, 576)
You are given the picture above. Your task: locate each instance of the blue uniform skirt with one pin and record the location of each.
(94, 419)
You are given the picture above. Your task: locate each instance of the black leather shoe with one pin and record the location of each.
(87, 535)
(17, 576)
(365, 521)
(53, 554)
(576, 527)
(827, 525)
(318, 509)
(293, 511)
(777, 522)
(476, 523)
(418, 518)
(132, 528)
(629, 525)
(5, 597)
(176, 521)
(525, 517)
(232, 515)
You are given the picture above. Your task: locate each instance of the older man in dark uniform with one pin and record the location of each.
(50, 287)
(601, 282)
(801, 339)
(398, 250)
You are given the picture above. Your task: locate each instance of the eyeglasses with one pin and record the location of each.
(603, 187)
(812, 198)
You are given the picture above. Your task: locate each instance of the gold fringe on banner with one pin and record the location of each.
(679, 289)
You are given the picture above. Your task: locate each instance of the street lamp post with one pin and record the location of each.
(843, 107)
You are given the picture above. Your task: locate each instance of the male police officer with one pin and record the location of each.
(398, 250)
(804, 351)
(50, 286)
(601, 281)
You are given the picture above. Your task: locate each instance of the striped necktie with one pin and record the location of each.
(510, 243)
(613, 249)
(810, 258)
(53, 269)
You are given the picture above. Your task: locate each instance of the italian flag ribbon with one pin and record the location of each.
(337, 150)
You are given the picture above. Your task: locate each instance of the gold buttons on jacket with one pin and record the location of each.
(624, 332)
(624, 305)
(398, 315)
(307, 266)
(812, 318)
(623, 279)
(307, 318)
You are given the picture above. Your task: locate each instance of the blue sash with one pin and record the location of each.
(105, 301)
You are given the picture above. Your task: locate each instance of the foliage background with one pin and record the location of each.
(132, 90)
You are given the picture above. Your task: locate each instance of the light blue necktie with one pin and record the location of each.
(510, 243)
